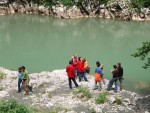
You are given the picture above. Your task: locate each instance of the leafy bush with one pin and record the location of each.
(66, 2)
(101, 98)
(84, 91)
(2, 75)
(118, 101)
(140, 3)
(12, 106)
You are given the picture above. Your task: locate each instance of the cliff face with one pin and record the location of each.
(50, 90)
(115, 9)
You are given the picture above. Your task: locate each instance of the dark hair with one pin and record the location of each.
(19, 69)
(98, 63)
(79, 58)
(119, 64)
(23, 67)
(114, 66)
(70, 62)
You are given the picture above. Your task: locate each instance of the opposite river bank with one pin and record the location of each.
(115, 9)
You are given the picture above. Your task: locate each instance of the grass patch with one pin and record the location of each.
(49, 95)
(12, 106)
(101, 98)
(2, 75)
(1, 88)
(43, 84)
(84, 91)
(92, 110)
(118, 101)
(58, 109)
(43, 92)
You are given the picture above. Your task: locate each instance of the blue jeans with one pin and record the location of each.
(111, 83)
(19, 82)
(82, 75)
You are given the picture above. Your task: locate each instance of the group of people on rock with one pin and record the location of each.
(23, 78)
(78, 67)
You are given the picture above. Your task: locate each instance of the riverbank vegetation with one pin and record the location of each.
(143, 53)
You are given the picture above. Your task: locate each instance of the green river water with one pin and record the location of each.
(44, 43)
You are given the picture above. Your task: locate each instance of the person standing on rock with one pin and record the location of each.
(98, 79)
(70, 69)
(81, 70)
(86, 66)
(102, 66)
(114, 79)
(19, 79)
(75, 63)
(25, 78)
(120, 75)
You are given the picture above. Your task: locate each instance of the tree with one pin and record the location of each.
(143, 52)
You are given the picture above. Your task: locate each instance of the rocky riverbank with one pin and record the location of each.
(115, 9)
(51, 91)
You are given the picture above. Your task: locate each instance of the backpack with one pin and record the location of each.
(97, 77)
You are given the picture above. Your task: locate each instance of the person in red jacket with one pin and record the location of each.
(70, 69)
(81, 70)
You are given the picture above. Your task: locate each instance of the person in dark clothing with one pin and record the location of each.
(70, 69)
(114, 79)
(120, 75)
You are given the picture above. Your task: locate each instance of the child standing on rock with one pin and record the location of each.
(70, 69)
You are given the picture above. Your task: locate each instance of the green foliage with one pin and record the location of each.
(84, 91)
(101, 98)
(2, 75)
(92, 110)
(1, 87)
(118, 101)
(43, 84)
(140, 3)
(12, 106)
(143, 53)
(43, 91)
(58, 109)
(66, 2)
(49, 95)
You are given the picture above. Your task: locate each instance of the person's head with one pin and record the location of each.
(70, 62)
(83, 60)
(23, 68)
(79, 58)
(114, 66)
(119, 64)
(19, 69)
(98, 64)
(75, 55)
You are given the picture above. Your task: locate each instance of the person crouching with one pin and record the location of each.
(70, 69)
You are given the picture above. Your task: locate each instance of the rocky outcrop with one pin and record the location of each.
(115, 9)
(50, 90)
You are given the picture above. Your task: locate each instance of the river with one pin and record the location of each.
(44, 43)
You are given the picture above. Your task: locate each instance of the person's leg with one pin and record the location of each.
(110, 84)
(74, 80)
(80, 74)
(70, 83)
(84, 75)
(99, 86)
(19, 82)
(103, 79)
(95, 85)
(26, 87)
(116, 86)
(120, 80)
